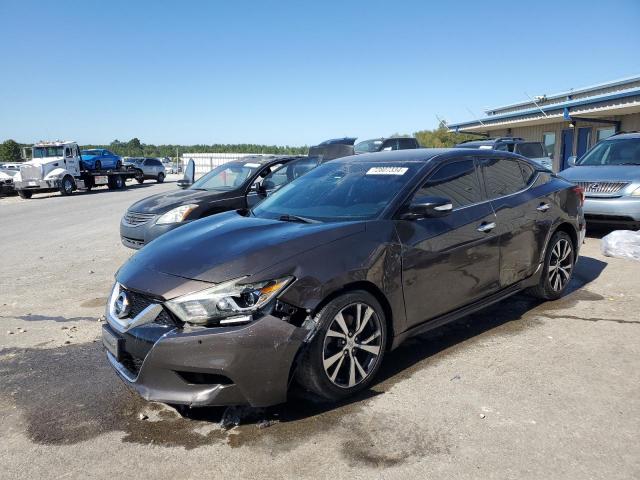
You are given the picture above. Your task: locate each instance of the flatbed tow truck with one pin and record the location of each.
(57, 166)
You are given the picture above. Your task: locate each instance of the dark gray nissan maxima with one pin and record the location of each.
(323, 277)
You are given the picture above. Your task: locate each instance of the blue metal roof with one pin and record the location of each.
(551, 108)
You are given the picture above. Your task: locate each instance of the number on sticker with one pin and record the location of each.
(387, 171)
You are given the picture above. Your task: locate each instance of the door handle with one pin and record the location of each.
(543, 207)
(486, 227)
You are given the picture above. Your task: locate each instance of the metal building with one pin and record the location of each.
(568, 123)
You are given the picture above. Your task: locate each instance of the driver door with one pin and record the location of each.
(449, 261)
(72, 159)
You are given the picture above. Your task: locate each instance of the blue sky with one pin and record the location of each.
(292, 72)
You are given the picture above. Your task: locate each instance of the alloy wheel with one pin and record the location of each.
(352, 345)
(560, 264)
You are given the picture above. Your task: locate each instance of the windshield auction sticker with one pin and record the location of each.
(252, 165)
(387, 171)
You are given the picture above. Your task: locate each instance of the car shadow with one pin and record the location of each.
(508, 317)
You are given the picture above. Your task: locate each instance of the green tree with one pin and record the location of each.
(441, 137)
(10, 151)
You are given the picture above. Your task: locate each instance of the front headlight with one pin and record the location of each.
(231, 302)
(636, 192)
(177, 214)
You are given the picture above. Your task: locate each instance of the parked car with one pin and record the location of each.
(333, 148)
(99, 159)
(535, 151)
(6, 180)
(14, 166)
(323, 277)
(233, 185)
(610, 175)
(385, 144)
(171, 166)
(150, 169)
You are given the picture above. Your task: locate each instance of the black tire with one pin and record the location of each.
(140, 177)
(97, 165)
(67, 185)
(160, 177)
(116, 182)
(326, 349)
(558, 270)
(26, 194)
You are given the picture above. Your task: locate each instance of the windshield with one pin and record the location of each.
(368, 146)
(44, 152)
(91, 152)
(531, 150)
(338, 191)
(226, 177)
(623, 151)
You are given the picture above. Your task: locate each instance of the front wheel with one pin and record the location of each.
(140, 177)
(559, 260)
(160, 177)
(66, 186)
(26, 194)
(348, 347)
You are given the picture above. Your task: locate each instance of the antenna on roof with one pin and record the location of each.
(477, 119)
(534, 102)
(441, 122)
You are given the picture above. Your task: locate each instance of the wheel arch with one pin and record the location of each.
(372, 289)
(570, 230)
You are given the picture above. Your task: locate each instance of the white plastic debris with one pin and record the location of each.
(622, 244)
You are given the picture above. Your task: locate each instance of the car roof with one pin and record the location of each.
(624, 135)
(493, 141)
(425, 155)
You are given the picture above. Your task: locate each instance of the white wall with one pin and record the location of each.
(205, 162)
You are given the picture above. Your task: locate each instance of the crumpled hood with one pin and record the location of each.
(228, 245)
(602, 173)
(163, 202)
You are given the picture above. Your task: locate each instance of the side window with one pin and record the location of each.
(67, 152)
(105, 153)
(528, 172)
(276, 177)
(456, 181)
(406, 143)
(502, 176)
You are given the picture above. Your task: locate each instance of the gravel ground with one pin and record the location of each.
(521, 390)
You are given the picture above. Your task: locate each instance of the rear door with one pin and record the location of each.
(521, 216)
(450, 261)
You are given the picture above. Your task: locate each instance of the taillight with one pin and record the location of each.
(580, 192)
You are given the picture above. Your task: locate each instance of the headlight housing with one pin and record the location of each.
(231, 302)
(176, 215)
(636, 192)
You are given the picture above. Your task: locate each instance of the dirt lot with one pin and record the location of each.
(522, 390)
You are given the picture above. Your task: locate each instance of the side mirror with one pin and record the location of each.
(571, 161)
(427, 207)
(189, 175)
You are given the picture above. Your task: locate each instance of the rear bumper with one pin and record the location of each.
(612, 210)
(244, 365)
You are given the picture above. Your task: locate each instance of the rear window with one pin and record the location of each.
(502, 176)
(531, 150)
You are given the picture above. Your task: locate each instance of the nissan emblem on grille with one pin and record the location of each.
(121, 305)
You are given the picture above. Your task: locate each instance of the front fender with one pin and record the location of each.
(56, 173)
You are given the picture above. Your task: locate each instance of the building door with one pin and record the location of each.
(566, 147)
(584, 139)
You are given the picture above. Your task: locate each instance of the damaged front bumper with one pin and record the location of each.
(197, 366)
(37, 184)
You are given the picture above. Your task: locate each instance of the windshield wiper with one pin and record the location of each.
(295, 218)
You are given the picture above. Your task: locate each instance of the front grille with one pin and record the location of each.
(139, 302)
(30, 172)
(602, 188)
(134, 219)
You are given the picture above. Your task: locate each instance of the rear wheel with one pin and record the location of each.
(140, 176)
(160, 177)
(26, 194)
(116, 182)
(558, 268)
(348, 348)
(67, 185)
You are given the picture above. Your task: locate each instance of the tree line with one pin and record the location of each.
(10, 150)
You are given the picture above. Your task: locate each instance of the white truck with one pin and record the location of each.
(58, 166)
